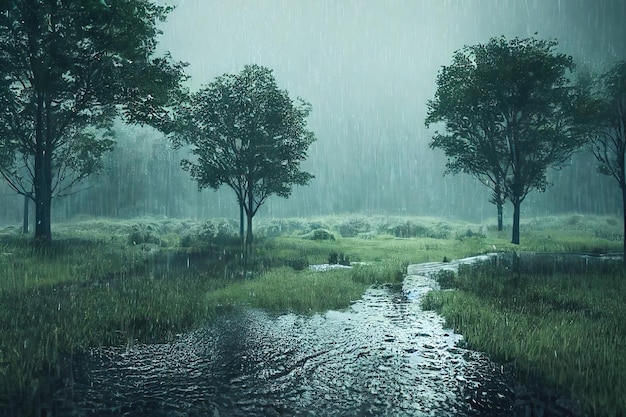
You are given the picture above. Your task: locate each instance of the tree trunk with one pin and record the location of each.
(43, 197)
(624, 220)
(249, 236)
(500, 210)
(241, 222)
(42, 207)
(25, 222)
(43, 175)
(249, 214)
(516, 209)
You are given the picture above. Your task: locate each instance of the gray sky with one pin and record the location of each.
(356, 58)
(369, 66)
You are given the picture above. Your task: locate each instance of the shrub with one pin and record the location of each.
(408, 229)
(335, 258)
(141, 234)
(217, 232)
(298, 263)
(321, 234)
(445, 278)
(353, 227)
(469, 234)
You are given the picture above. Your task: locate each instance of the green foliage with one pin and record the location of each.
(321, 234)
(95, 63)
(608, 128)
(143, 234)
(212, 232)
(335, 258)
(564, 329)
(470, 234)
(607, 125)
(415, 229)
(282, 290)
(508, 114)
(248, 134)
(445, 278)
(353, 227)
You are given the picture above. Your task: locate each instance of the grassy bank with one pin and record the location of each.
(565, 331)
(105, 282)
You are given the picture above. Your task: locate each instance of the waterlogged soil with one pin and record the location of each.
(383, 356)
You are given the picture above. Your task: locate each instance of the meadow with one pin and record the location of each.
(120, 282)
(557, 329)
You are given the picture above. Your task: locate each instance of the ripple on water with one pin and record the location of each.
(383, 356)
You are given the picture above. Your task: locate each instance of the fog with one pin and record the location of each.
(368, 68)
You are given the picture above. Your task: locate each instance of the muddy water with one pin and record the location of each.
(383, 356)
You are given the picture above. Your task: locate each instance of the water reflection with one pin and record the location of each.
(383, 356)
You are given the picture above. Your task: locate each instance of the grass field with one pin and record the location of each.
(105, 282)
(563, 330)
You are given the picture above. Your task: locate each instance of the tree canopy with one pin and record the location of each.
(69, 68)
(248, 134)
(508, 112)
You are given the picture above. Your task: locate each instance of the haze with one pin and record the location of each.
(367, 67)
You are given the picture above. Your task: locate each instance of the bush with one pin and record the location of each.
(353, 227)
(445, 278)
(320, 234)
(335, 258)
(408, 229)
(411, 229)
(141, 234)
(217, 232)
(298, 263)
(469, 234)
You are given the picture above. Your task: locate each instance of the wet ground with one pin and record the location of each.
(383, 356)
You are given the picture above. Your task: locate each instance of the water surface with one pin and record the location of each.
(383, 356)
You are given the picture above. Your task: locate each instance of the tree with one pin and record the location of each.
(472, 142)
(609, 146)
(69, 68)
(249, 135)
(508, 109)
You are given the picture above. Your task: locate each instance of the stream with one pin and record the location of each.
(383, 356)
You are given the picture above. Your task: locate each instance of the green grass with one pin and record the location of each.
(104, 282)
(565, 330)
(305, 292)
(283, 290)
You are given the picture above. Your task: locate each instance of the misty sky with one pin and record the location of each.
(369, 66)
(370, 54)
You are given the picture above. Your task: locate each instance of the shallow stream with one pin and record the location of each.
(383, 356)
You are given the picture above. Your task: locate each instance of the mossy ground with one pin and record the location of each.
(107, 282)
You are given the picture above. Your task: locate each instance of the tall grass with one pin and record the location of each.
(565, 330)
(105, 282)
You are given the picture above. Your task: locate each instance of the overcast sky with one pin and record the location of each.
(368, 67)
(355, 57)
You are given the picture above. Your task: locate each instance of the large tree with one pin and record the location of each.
(609, 146)
(68, 69)
(248, 134)
(472, 140)
(508, 109)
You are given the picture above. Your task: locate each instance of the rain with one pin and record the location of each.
(368, 69)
